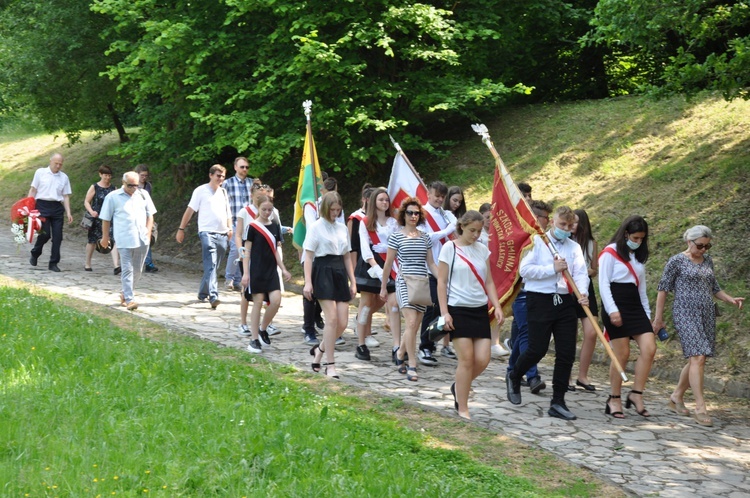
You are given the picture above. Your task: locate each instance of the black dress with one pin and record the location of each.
(95, 232)
(263, 275)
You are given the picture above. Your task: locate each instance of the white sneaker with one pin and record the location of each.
(244, 331)
(498, 350)
(507, 345)
(371, 342)
(254, 347)
(272, 330)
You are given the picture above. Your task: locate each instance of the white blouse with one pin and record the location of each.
(325, 238)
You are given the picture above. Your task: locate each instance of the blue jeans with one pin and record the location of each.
(232, 272)
(214, 247)
(520, 342)
(149, 261)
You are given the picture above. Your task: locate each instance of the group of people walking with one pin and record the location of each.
(428, 264)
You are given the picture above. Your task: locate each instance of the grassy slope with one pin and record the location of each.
(677, 163)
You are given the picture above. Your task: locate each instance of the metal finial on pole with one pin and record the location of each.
(307, 106)
(482, 131)
(395, 144)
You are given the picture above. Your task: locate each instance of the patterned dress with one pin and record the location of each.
(411, 253)
(95, 232)
(693, 313)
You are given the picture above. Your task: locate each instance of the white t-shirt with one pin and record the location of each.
(464, 288)
(324, 238)
(51, 186)
(212, 207)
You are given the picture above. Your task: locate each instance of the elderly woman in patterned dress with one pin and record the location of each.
(690, 275)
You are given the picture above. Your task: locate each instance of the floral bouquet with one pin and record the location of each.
(25, 220)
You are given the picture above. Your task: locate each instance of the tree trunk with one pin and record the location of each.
(118, 124)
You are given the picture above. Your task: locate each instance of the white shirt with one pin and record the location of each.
(538, 267)
(212, 207)
(51, 186)
(446, 223)
(612, 270)
(246, 218)
(484, 237)
(324, 238)
(464, 288)
(128, 214)
(384, 232)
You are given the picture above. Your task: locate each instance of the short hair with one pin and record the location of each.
(105, 170)
(632, 224)
(541, 206)
(56, 154)
(439, 187)
(217, 167)
(447, 202)
(240, 158)
(372, 208)
(525, 188)
(468, 218)
(565, 213)
(485, 207)
(127, 174)
(409, 201)
(141, 168)
(330, 184)
(329, 199)
(697, 232)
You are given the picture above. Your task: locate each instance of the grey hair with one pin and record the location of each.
(697, 232)
(129, 173)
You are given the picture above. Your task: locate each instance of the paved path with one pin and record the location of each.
(665, 455)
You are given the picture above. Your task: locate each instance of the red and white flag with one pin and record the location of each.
(405, 182)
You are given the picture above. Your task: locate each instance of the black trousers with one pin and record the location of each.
(53, 213)
(430, 314)
(550, 315)
(310, 310)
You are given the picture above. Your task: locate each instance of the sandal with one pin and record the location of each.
(678, 407)
(411, 374)
(608, 410)
(629, 402)
(315, 365)
(703, 419)
(326, 370)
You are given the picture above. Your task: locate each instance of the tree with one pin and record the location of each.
(51, 54)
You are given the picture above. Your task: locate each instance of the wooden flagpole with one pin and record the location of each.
(484, 133)
(401, 152)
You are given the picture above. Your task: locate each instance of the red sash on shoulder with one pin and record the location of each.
(375, 239)
(266, 233)
(466, 260)
(359, 215)
(252, 211)
(614, 253)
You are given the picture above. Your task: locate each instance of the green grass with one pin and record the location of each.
(89, 409)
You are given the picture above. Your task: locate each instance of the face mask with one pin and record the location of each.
(560, 234)
(633, 245)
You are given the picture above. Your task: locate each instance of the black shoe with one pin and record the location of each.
(536, 384)
(514, 389)
(33, 259)
(151, 269)
(363, 353)
(53, 267)
(425, 358)
(264, 339)
(311, 340)
(254, 346)
(319, 323)
(559, 410)
(117, 270)
(587, 387)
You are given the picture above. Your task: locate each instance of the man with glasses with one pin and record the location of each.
(211, 202)
(238, 191)
(130, 211)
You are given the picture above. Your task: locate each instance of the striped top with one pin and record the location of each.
(411, 252)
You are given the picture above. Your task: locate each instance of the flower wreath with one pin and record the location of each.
(25, 220)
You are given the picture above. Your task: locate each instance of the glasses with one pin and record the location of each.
(701, 247)
(243, 167)
(412, 213)
(257, 186)
(131, 185)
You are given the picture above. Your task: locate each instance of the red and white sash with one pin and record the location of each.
(375, 239)
(473, 268)
(435, 226)
(359, 215)
(252, 211)
(610, 250)
(266, 233)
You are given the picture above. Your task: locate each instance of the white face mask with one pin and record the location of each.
(560, 234)
(633, 245)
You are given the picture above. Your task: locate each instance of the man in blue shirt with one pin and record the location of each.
(238, 190)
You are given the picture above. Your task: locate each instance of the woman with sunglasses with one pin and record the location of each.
(412, 248)
(625, 310)
(690, 275)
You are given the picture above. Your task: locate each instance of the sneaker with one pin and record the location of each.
(319, 323)
(498, 350)
(536, 384)
(371, 342)
(254, 346)
(425, 358)
(507, 345)
(229, 286)
(244, 331)
(215, 303)
(362, 353)
(151, 269)
(340, 341)
(311, 340)
(264, 339)
(448, 352)
(272, 330)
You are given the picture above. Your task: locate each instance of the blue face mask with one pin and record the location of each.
(633, 245)
(560, 234)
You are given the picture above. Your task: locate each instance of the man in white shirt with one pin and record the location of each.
(51, 189)
(440, 225)
(551, 311)
(211, 202)
(130, 210)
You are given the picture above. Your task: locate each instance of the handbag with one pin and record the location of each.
(418, 290)
(435, 330)
(86, 220)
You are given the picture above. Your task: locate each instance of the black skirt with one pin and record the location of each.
(473, 323)
(634, 318)
(365, 283)
(329, 279)
(592, 303)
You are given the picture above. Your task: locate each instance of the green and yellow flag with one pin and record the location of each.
(308, 188)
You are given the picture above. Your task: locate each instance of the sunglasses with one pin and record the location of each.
(131, 185)
(412, 213)
(243, 167)
(257, 186)
(700, 247)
